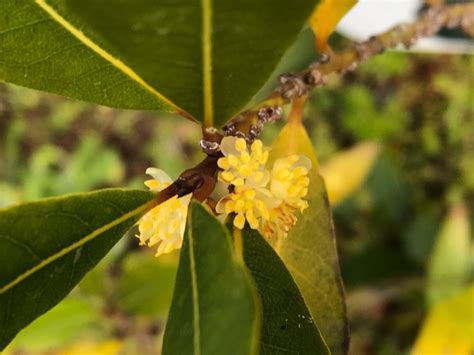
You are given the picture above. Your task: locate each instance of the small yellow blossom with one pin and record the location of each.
(289, 180)
(241, 165)
(267, 201)
(248, 203)
(160, 180)
(289, 183)
(281, 220)
(164, 225)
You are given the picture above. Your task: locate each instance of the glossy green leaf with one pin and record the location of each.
(287, 325)
(301, 53)
(215, 308)
(203, 57)
(46, 247)
(309, 251)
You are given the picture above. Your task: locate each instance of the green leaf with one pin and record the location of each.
(215, 308)
(203, 58)
(287, 326)
(309, 251)
(301, 53)
(449, 266)
(71, 319)
(46, 247)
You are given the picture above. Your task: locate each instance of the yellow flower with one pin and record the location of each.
(289, 180)
(268, 201)
(241, 165)
(289, 183)
(281, 220)
(164, 225)
(248, 203)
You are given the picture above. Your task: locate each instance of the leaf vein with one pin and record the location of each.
(86, 41)
(97, 232)
(196, 315)
(23, 26)
(206, 9)
(20, 244)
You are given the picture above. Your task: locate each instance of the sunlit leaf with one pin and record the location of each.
(69, 320)
(450, 262)
(449, 327)
(346, 171)
(46, 247)
(215, 308)
(287, 324)
(325, 18)
(205, 59)
(293, 139)
(309, 251)
(108, 347)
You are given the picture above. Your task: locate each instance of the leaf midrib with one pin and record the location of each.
(117, 63)
(206, 13)
(195, 292)
(74, 246)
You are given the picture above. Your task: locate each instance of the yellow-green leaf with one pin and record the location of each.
(449, 328)
(287, 324)
(347, 170)
(293, 139)
(309, 250)
(325, 18)
(450, 262)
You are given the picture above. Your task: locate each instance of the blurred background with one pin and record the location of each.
(396, 142)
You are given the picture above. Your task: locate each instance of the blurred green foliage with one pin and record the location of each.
(419, 107)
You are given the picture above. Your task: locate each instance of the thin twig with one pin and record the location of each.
(299, 84)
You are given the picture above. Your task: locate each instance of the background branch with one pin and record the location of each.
(299, 84)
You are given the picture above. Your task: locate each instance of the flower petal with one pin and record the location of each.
(228, 146)
(159, 175)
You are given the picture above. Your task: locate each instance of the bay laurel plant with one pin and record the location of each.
(258, 269)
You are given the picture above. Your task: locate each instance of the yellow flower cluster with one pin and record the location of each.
(164, 225)
(239, 166)
(289, 180)
(266, 200)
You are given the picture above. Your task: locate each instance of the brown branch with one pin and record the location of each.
(199, 180)
(296, 85)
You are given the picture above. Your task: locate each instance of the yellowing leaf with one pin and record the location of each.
(347, 170)
(293, 139)
(309, 250)
(449, 328)
(450, 261)
(325, 18)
